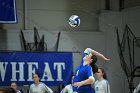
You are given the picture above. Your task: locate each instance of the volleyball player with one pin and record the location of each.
(39, 87)
(83, 77)
(14, 86)
(101, 85)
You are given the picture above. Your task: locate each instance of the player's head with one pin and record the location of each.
(101, 73)
(14, 85)
(90, 58)
(36, 78)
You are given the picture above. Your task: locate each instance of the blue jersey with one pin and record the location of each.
(83, 72)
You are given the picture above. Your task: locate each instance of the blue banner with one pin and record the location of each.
(7, 11)
(54, 68)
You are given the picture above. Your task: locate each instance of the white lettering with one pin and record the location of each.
(59, 67)
(47, 73)
(31, 70)
(20, 71)
(3, 66)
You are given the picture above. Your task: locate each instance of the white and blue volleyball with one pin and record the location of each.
(74, 21)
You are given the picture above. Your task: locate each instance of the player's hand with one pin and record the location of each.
(106, 59)
(77, 84)
(88, 51)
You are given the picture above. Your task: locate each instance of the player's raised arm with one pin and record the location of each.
(99, 55)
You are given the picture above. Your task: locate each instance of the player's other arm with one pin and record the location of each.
(85, 82)
(90, 79)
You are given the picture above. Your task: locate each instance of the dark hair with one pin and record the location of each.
(94, 68)
(13, 82)
(7, 90)
(2, 90)
(37, 74)
(94, 58)
(93, 65)
(104, 74)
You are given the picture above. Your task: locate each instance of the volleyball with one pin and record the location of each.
(74, 21)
